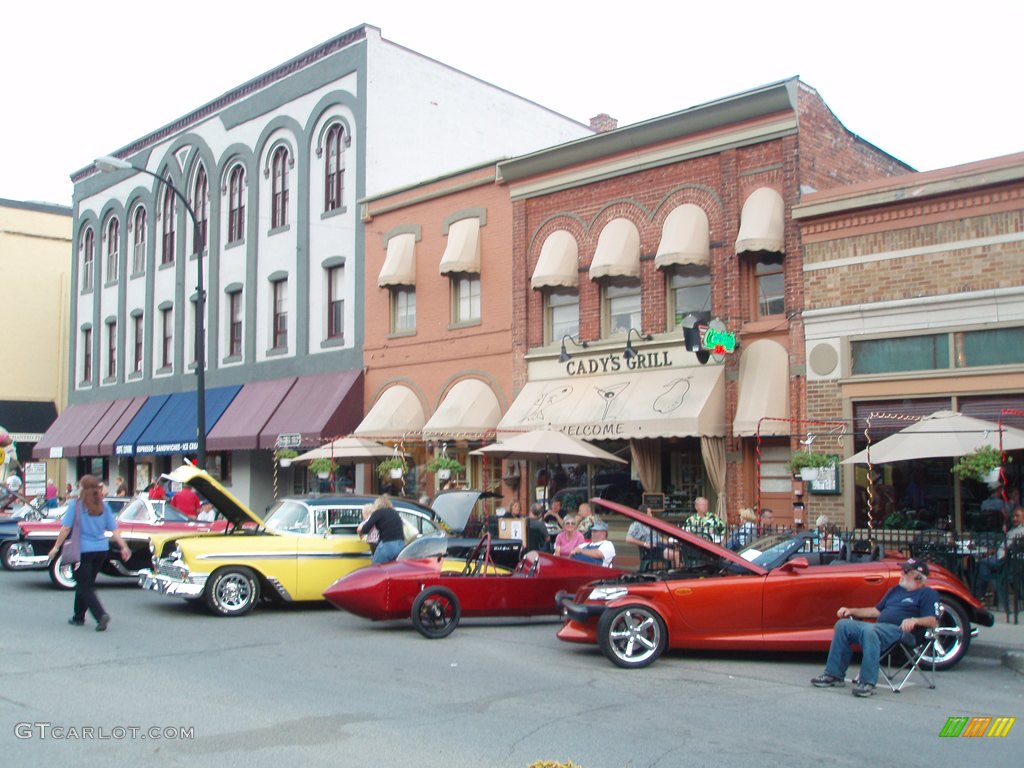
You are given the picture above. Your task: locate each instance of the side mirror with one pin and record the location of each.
(796, 564)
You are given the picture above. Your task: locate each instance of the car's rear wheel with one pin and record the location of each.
(232, 591)
(631, 636)
(436, 612)
(62, 574)
(952, 636)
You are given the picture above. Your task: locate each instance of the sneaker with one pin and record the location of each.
(826, 681)
(863, 690)
(101, 625)
(76, 622)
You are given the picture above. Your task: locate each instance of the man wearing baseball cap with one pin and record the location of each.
(597, 551)
(904, 608)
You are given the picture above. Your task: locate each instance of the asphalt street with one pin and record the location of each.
(170, 685)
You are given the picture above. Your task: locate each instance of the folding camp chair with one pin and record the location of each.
(913, 652)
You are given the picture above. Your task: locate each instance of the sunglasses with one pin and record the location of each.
(918, 577)
(570, 525)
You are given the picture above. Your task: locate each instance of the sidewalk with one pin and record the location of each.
(1003, 640)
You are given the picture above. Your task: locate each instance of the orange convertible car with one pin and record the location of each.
(777, 594)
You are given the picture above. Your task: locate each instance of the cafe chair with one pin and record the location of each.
(652, 559)
(913, 652)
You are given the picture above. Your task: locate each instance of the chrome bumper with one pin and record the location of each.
(175, 587)
(18, 559)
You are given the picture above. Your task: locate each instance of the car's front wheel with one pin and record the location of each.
(436, 612)
(952, 636)
(232, 591)
(11, 549)
(62, 574)
(631, 636)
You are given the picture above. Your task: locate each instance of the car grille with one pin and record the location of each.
(171, 570)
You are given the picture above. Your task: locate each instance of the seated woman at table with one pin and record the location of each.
(991, 566)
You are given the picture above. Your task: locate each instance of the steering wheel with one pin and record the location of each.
(529, 565)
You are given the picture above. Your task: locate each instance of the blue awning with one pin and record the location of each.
(125, 443)
(173, 428)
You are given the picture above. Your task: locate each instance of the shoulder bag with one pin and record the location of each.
(71, 551)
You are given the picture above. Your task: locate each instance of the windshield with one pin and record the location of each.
(425, 546)
(769, 551)
(288, 517)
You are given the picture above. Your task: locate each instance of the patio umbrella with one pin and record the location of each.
(942, 434)
(544, 444)
(349, 449)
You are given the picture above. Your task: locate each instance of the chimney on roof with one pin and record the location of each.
(603, 123)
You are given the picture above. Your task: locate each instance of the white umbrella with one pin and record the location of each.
(942, 434)
(349, 449)
(543, 444)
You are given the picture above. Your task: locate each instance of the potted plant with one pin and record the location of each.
(443, 466)
(394, 467)
(981, 464)
(807, 464)
(322, 468)
(284, 456)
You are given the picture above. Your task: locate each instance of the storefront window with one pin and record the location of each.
(563, 313)
(622, 307)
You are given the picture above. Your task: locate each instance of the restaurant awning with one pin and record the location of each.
(469, 411)
(124, 445)
(558, 265)
(173, 428)
(764, 390)
(108, 443)
(65, 435)
(240, 426)
(317, 408)
(93, 442)
(398, 411)
(618, 251)
(462, 254)
(677, 402)
(762, 223)
(400, 263)
(27, 420)
(684, 238)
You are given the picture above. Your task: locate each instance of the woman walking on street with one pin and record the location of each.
(92, 517)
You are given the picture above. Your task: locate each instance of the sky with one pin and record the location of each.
(933, 83)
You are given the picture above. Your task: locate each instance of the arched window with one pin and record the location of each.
(200, 204)
(279, 195)
(88, 258)
(167, 253)
(139, 242)
(113, 248)
(236, 204)
(334, 168)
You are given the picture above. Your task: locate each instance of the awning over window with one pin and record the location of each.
(677, 402)
(318, 408)
(618, 251)
(125, 443)
(93, 443)
(27, 420)
(559, 262)
(764, 390)
(172, 429)
(462, 253)
(65, 435)
(397, 412)
(469, 411)
(109, 441)
(240, 426)
(762, 223)
(400, 264)
(684, 238)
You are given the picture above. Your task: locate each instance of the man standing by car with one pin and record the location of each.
(904, 608)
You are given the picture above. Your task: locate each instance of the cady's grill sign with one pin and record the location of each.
(617, 363)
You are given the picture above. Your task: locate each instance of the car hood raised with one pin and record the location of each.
(454, 507)
(223, 501)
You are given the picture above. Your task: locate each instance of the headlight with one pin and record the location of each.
(607, 593)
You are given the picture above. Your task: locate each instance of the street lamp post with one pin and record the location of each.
(109, 164)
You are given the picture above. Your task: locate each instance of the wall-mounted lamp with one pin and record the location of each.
(565, 357)
(629, 353)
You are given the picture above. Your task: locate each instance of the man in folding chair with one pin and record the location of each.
(907, 607)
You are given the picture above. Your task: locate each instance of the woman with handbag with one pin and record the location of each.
(84, 528)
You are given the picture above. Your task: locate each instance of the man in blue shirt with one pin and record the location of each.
(904, 608)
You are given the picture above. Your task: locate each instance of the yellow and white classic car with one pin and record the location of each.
(303, 546)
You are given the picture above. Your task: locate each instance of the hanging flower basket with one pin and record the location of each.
(979, 465)
(801, 461)
(322, 468)
(809, 474)
(394, 468)
(284, 456)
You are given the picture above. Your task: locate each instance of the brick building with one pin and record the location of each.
(622, 237)
(914, 303)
